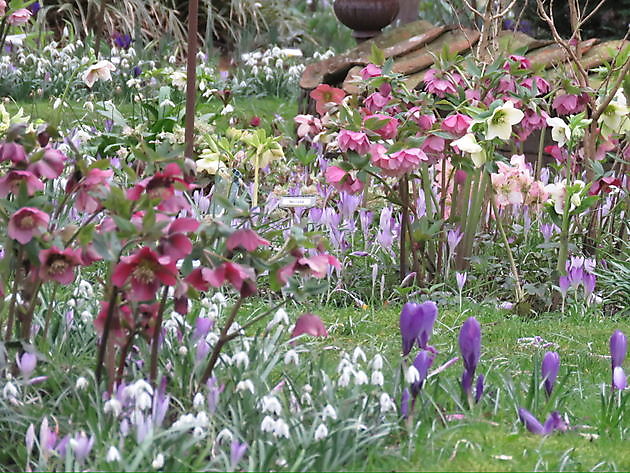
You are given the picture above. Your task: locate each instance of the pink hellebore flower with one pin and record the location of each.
(541, 84)
(398, 163)
(433, 144)
(569, 104)
(11, 182)
(376, 101)
(101, 70)
(240, 277)
(246, 239)
(316, 266)
(58, 265)
(370, 71)
(308, 126)
(353, 140)
(19, 17)
(389, 130)
(146, 270)
(325, 95)
(309, 324)
(343, 181)
(520, 61)
(93, 187)
(13, 152)
(175, 244)
(50, 165)
(424, 121)
(440, 84)
(456, 124)
(163, 185)
(3, 7)
(27, 223)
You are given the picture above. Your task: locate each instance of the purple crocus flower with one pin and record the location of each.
(618, 348)
(136, 71)
(588, 281)
(461, 280)
(453, 237)
(29, 439)
(214, 391)
(160, 403)
(549, 369)
(237, 450)
(203, 325)
(470, 348)
(26, 363)
(547, 230)
(479, 388)
(553, 422)
(122, 41)
(563, 284)
(81, 445)
(416, 324)
(404, 403)
(422, 363)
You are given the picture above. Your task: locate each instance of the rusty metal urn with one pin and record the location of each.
(366, 17)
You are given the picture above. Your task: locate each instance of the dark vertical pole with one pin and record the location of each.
(99, 28)
(191, 72)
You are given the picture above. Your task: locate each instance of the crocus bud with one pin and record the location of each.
(26, 364)
(422, 363)
(470, 344)
(479, 388)
(531, 423)
(618, 348)
(549, 370)
(619, 379)
(416, 324)
(404, 404)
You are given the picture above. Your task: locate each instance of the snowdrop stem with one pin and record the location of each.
(16, 283)
(517, 281)
(256, 181)
(223, 339)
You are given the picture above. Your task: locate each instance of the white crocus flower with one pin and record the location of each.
(468, 144)
(321, 432)
(560, 131)
(501, 122)
(101, 70)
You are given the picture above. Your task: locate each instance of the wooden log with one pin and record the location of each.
(555, 54)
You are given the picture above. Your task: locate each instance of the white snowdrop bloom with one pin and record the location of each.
(360, 378)
(143, 401)
(227, 110)
(321, 432)
(241, 359)
(114, 406)
(219, 299)
(308, 388)
(329, 412)
(358, 354)
(268, 424)
(377, 378)
(202, 419)
(346, 376)
(377, 362)
(245, 385)
(81, 384)
(198, 432)
(199, 401)
(291, 356)
(281, 429)
(271, 404)
(412, 375)
(182, 351)
(113, 455)
(10, 391)
(344, 363)
(387, 404)
(224, 436)
(280, 317)
(184, 422)
(158, 462)
(306, 399)
(57, 103)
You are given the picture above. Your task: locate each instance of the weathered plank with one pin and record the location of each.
(555, 54)
(456, 41)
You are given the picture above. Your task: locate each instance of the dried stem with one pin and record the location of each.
(156, 337)
(106, 329)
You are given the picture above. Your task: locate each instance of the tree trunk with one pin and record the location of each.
(408, 11)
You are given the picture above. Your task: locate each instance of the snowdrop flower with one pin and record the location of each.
(412, 375)
(10, 391)
(241, 359)
(182, 351)
(377, 362)
(280, 317)
(560, 131)
(245, 385)
(199, 401)
(291, 356)
(202, 419)
(358, 354)
(224, 436)
(158, 462)
(101, 70)
(501, 122)
(346, 374)
(468, 144)
(329, 412)
(387, 404)
(281, 429)
(377, 378)
(271, 404)
(81, 384)
(113, 455)
(114, 406)
(321, 432)
(360, 378)
(268, 424)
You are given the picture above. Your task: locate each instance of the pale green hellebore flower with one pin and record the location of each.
(501, 122)
(468, 144)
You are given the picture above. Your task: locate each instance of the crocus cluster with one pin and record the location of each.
(580, 272)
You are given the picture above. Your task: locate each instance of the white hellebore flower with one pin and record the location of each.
(101, 70)
(468, 144)
(501, 122)
(615, 117)
(321, 432)
(560, 131)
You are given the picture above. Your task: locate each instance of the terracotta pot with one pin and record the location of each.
(366, 17)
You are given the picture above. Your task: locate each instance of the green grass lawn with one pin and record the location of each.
(493, 439)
